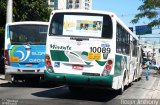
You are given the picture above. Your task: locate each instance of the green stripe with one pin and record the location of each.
(80, 80)
(119, 63)
(57, 55)
(118, 66)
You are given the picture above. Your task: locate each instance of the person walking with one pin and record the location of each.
(147, 69)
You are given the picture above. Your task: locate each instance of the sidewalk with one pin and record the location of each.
(2, 79)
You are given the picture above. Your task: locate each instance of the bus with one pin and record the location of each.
(91, 49)
(24, 50)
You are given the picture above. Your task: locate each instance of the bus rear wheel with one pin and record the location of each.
(14, 79)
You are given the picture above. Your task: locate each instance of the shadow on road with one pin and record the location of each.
(89, 95)
(29, 85)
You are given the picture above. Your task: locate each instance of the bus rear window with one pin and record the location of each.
(81, 24)
(28, 34)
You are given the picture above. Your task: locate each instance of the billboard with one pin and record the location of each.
(83, 25)
(143, 29)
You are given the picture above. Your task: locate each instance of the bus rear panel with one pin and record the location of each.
(25, 50)
(80, 50)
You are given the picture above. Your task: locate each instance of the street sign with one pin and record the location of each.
(144, 29)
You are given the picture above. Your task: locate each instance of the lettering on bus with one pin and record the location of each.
(56, 47)
(100, 50)
(96, 51)
(36, 60)
(38, 53)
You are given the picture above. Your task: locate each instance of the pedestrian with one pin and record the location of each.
(147, 69)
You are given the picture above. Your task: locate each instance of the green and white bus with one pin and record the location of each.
(91, 49)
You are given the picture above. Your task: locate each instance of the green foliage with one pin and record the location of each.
(24, 10)
(151, 10)
(31, 10)
(3, 4)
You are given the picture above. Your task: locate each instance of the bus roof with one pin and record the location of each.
(29, 22)
(98, 12)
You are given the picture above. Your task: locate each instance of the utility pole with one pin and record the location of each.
(9, 15)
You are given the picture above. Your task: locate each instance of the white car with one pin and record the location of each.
(155, 67)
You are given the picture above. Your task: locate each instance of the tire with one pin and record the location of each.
(14, 80)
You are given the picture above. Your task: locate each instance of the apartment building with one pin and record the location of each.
(79, 4)
(157, 53)
(148, 50)
(152, 52)
(57, 4)
(70, 4)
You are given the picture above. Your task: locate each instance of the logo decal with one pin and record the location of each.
(19, 52)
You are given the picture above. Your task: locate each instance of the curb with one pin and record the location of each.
(2, 79)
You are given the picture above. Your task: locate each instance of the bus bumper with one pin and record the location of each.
(79, 80)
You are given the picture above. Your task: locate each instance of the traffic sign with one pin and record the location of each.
(143, 29)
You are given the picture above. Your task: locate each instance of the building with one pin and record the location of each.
(70, 4)
(157, 53)
(151, 52)
(148, 51)
(57, 4)
(79, 4)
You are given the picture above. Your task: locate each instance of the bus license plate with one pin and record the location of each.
(77, 67)
(94, 56)
(28, 64)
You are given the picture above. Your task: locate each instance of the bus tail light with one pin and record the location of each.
(48, 64)
(7, 61)
(107, 68)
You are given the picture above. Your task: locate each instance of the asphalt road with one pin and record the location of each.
(49, 94)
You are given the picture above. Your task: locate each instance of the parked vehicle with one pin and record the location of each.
(154, 66)
(25, 50)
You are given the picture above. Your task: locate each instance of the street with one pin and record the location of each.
(49, 94)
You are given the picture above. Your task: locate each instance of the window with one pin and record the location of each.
(77, 6)
(134, 48)
(77, 1)
(122, 40)
(70, 1)
(70, 6)
(101, 26)
(32, 34)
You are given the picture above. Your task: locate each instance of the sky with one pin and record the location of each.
(125, 10)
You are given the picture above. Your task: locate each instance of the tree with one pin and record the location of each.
(31, 10)
(151, 10)
(24, 10)
(3, 4)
